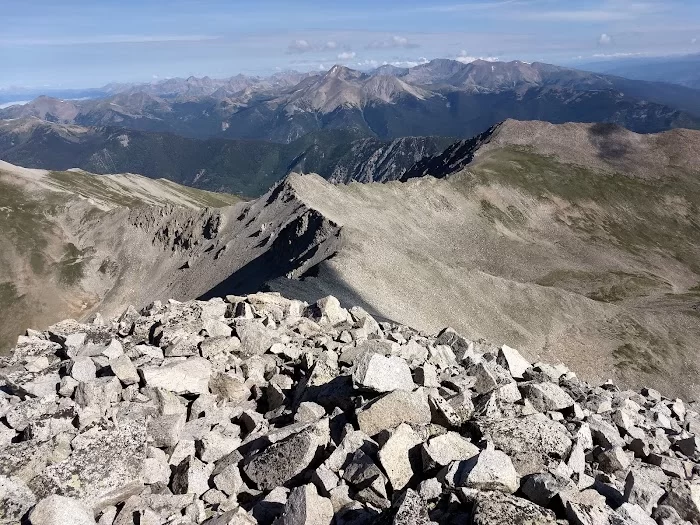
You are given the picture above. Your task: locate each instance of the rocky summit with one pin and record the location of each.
(261, 409)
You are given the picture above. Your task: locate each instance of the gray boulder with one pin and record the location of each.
(281, 461)
(398, 456)
(104, 466)
(124, 369)
(582, 514)
(392, 409)
(15, 499)
(382, 374)
(490, 470)
(190, 376)
(685, 498)
(59, 510)
(442, 450)
(533, 442)
(305, 507)
(411, 510)
(546, 397)
(496, 508)
(510, 359)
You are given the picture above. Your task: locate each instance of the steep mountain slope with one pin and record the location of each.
(574, 242)
(590, 257)
(242, 167)
(61, 233)
(442, 97)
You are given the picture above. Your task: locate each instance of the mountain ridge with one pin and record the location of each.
(611, 258)
(240, 166)
(442, 97)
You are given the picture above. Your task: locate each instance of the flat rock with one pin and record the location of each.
(581, 514)
(496, 508)
(533, 442)
(442, 450)
(547, 396)
(392, 409)
(59, 510)
(104, 467)
(190, 376)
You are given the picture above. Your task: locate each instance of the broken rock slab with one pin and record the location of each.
(398, 456)
(382, 374)
(190, 376)
(282, 461)
(103, 468)
(305, 507)
(490, 470)
(59, 510)
(392, 409)
(496, 508)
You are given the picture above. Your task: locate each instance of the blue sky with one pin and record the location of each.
(84, 43)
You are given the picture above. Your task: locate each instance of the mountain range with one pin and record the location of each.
(574, 242)
(442, 97)
(243, 134)
(244, 167)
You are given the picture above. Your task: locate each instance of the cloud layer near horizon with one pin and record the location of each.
(218, 38)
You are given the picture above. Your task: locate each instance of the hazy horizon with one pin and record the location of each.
(80, 44)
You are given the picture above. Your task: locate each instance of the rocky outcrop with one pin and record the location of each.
(261, 409)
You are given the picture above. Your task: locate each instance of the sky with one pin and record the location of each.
(88, 43)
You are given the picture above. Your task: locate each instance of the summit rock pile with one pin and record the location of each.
(265, 410)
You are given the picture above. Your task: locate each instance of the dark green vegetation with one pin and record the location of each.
(243, 167)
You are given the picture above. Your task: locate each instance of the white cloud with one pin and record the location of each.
(373, 64)
(346, 55)
(393, 42)
(693, 40)
(304, 45)
(367, 64)
(604, 39)
(466, 58)
(299, 46)
(408, 63)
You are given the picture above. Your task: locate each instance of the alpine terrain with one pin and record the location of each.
(572, 242)
(244, 133)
